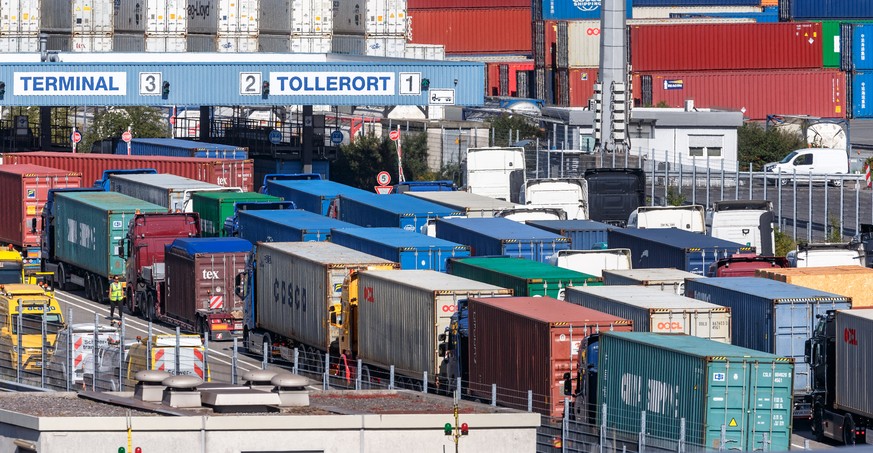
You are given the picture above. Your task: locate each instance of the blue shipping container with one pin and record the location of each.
(395, 210)
(271, 165)
(583, 234)
(828, 9)
(311, 195)
(862, 106)
(671, 247)
(576, 10)
(286, 225)
(411, 250)
(862, 45)
(499, 236)
(175, 147)
(770, 316)
(198, 246)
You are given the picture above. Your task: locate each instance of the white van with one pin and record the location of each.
(688, 218)
(819, 164)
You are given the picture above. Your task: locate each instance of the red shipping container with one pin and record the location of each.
(817, 92)
(442, 4)
(224, 172)
(582, 82)
(694, 47)
(528, 343)
(551, 39)
(493, 74)
(24, 190)
(474, 31)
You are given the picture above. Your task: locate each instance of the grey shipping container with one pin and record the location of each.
(583, 234)
(405, 311)
(672, 247)
(89, 226)
(692, 387)
(468, 203)
(652, 310)
(170, 191)
(661, 277)
(296, 283)
(854, 381)
(773, 317)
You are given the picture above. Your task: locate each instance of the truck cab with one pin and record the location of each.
(23, 310)
(748, 222)
(689, 218)
(11, 266)
(827, 254)
(585, 393)
(744, 265)
(570, 195)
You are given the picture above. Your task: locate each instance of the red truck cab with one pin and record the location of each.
(745, 265)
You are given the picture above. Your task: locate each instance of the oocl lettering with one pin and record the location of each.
(671, 326)
(447, 308)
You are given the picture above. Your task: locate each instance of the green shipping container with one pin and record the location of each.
(215, 207)
(89, 226)
(525, 277)
(709, 384)
(830, 30)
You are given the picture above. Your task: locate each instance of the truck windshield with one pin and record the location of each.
(32, 324)
(10, 273)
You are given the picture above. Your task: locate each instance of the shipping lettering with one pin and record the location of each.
(210, 275)
(198, 10)
(849, 336)
(287, 293)
(661, 397)
(671, 326)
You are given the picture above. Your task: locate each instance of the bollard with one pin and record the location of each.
(264, 357)
(391, 378)
(641, 447)
(121, 357)
(358, 375)
(565, 425)
(424, 383)
(530, 400)
(94, 355)
(206, 357)
(69, 362)
(178, 351)
(327, 370)
(149, 348)
(296, 361)
(682, 435)
(493, 394)
(233, 362)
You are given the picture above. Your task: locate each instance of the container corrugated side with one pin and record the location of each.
(20, 17)
(382, 17)
(861, 87)
(314, 196)
(726, 46)
(471, 204)
(474, 31)
(298, 281)
(224, 172)
(54, 16)
(652, 310)
(862, 37)
(524, 277)
(89, 226)
(500, 236)
(833, 9)
(181, 148)
(665, 12)
(269, 165)
(215, 207)
(395, 210)
(527, 344)
(19, 43)
(92, 17)
(402, 314)
(281, 17)
(414, 251)
(660, 277)
(193, 280)
(701, 382)
(755, 93)
(223, 16)
(770, 316)
(680, 249)
(853, 347)
(25, 190)
(575, 10)
(716, 3)
(170, 191)
(583, 234)
(849, 281)
(432, 52)
(286, 225)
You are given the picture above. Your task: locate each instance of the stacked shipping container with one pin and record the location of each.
(304, 26)
(473, 27)
(224, 25)
(19, 26)
(370, 27)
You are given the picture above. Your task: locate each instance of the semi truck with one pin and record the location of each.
(164, 189)
(23, 308)
(85, 231)
(200, 277)
(837, 351)
(142, 248)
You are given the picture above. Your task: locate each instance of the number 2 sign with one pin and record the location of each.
(249, 83)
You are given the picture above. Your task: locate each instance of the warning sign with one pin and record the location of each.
(733, 423)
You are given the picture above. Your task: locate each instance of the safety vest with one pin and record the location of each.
(116, 291)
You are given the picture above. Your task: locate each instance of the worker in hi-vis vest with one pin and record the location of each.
(116, 297)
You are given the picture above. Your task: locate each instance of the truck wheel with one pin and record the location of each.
(150, 307)
(101, 290)
(849, 431)
(62, 277)
(817, 425)
(365, 378)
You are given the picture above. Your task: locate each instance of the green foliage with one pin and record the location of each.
(359, 162)
(834, 232)
(675, 197)
(663, 105)
(147, 122)
(760, 146)
(505, 124)
(784, 243)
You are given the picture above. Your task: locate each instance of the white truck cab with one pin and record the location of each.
(827, 254)
(688, 218)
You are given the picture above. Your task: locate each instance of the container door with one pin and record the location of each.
(793, 327)
(770, 404)
(726, 395)
(565, 344)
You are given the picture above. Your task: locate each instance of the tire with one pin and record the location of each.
(150, 307)
(849, 431)
(62, 277)
(91, 280)
(817, 423)
(88, 288)
(785, 181)
(366, 384)
(101, 289)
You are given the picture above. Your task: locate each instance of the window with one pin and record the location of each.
(705, 145)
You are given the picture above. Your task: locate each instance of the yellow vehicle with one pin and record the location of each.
(22, 308)
(11, 267)
(163, 356)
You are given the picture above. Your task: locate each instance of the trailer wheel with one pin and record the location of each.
(88, 290)
(101, 289)
(150, 306)
(849, 430)
(366, 384)
(91, 281)
(817, 425)
(62, 277)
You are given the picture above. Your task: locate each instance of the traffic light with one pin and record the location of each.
(465, 429)
(165, 88)
(425, 84)
(137, 450)
(265, 88)
(2, 89)
(121, 450)
(446, 429)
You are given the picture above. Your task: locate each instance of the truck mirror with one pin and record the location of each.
(568, 384)
(33, 225)
(441, 337)
(239, 285)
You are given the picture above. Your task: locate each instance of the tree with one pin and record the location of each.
(359, 162)
(760, 146)
(507, 124)
(146, 122)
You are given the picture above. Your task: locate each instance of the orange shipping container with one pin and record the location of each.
(849, 281)
(769, 2)
(582, 82)
(474, 31)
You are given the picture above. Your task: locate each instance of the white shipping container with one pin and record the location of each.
(370, 17)
(156, 16)
(223, 16)
(93, 17)
(89, 42)
(166, 43)
(19, 43)
(164, 189)
(375, 46)
(314, 272)
(663, 12)
(652, 310)
(297, 16)
(663, 278)
(854, 347)
(406, 311)
(311, 43)
(425, 51)
(237, 43)
(19, 18)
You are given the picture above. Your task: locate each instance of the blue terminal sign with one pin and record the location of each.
(343, 82)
